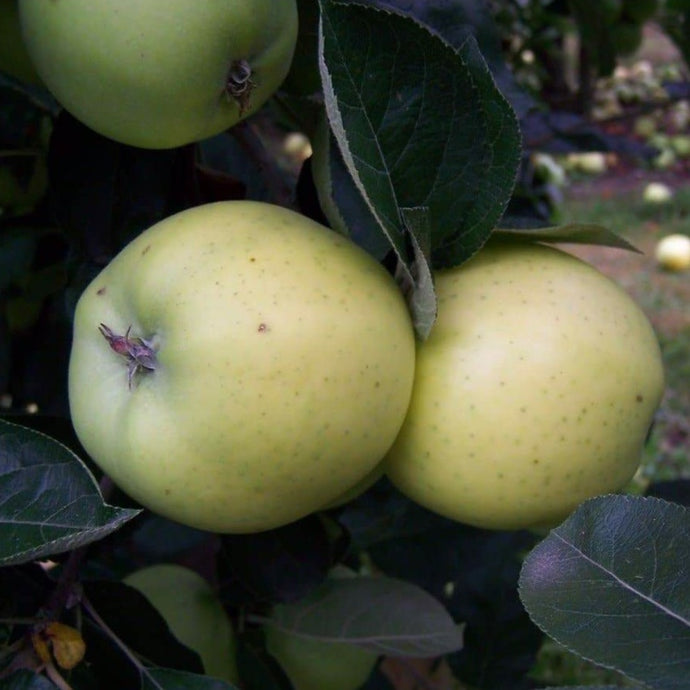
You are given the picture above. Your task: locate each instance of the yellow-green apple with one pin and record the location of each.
(535, 390)
(312, 663)
(193, 613)
(160, 73)
(238, 366)
(673, 252)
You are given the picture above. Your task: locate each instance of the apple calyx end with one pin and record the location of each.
(140, 354)
(239, 84)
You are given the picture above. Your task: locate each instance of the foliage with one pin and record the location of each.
(427, 131)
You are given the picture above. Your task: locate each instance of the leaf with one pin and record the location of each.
(387, 616)
(475, 575)
(571, 233)
(26, 680)
(417, 129)
(281, 564)
(256, 667)
(611, 584)
(135, 621)
(17, 248)
(167, 679)
(454, 21)
(49, 501)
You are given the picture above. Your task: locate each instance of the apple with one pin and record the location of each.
(193, 613)
(14, 59)
(160, 73)
(673, 252)
(639, 11)
(681, 145)
(238, 366)
(365, 483)
(312, 663)
(589, 162)
(657, 193)
(534, 391)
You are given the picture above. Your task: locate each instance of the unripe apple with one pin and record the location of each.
(673, 252)
(160, 73)
(313, 664)
(193, 613)
(657, 193)
(319, 664)
(14, 59)
(534, 391)
(238, 366)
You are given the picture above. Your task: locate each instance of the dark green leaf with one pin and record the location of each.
(387, 616)
(611, 584)
(571, 233)
(26, 680)
(281, 564)
(130, 615)
(256, 667)
(49, 501)
(167, 679)
(418, 129)
(16, 253)
(454, 21)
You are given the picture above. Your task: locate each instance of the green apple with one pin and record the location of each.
(657, 193)
(193, 613)
(534, 391)
(639, 11)
(626, 37)
(312, 663)
(251, 365)
(160, 73)
(673, 252)
(14, 59)
(589, 162)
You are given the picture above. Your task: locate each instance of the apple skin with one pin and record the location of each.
(285, 363)
(153, 73)
(14, 59)
(534, 391)
(673, 252)
(313, 664)
(193, 613)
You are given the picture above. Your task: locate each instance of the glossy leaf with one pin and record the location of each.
(388, 616)
(570, 233)
(423, 129)
(26, 680)
(611, 584)
(49, 501)
(167, 679)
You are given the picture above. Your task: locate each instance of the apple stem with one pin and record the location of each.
(139, 353)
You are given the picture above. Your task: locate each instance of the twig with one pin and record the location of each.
(131, 656)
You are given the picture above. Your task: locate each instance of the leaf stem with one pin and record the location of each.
(131, 656)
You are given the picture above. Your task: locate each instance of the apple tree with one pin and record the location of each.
(296, 390)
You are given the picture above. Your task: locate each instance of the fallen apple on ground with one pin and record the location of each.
(673, 252)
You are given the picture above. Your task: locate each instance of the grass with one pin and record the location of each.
(663, 296)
